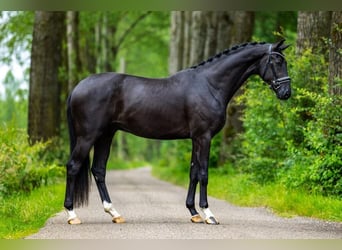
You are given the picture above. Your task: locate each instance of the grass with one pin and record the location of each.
(23, 214)
(240, 190)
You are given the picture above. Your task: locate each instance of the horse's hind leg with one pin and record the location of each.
(101, 154)
(77, 171)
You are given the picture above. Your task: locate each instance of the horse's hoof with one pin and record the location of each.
(196, 219)
(118, 220)
(74, 221)
(211, 221)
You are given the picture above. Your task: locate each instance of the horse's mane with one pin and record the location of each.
(227, 52)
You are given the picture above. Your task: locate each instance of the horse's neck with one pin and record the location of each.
(229, 73)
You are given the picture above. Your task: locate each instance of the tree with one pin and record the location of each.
(321, 121)
(73, 58)
(242, 30)
(335, 54)
(321, 32)
(176, 41)
(313, 27)
(196, 36)
(44, 92)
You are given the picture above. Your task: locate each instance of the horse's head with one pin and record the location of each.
(273, 70)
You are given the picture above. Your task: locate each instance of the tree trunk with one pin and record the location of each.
(198, 37)
(210, 47)
(224, 30)
(44, 93)
(177, 42)
(241, 31)
(335, 57)
(313, 27)
(74, 63)
(243, 26)
(186, 39)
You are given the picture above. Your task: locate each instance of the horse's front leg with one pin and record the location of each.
(190, 200)
(202, 150)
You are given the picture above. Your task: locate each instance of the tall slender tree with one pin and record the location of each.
(44, 93)
(74, 63)
(335, 54)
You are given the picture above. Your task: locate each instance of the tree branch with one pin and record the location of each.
(130, 28)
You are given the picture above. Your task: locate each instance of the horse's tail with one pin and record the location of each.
(83, 178)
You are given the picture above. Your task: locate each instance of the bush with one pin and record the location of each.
(318, 160)
(298, 142)
(22, 167)
(264, 141)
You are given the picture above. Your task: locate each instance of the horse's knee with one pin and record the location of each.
(203, 178)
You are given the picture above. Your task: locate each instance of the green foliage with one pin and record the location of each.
(264, 140)
(15, 35)
(22, 167)
(283, 22)
(146, 55)
(175, 155)
(14, 103)
(15, 44)
(297, 142)
(316, 163)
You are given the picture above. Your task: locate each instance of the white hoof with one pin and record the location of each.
(211, 221)
(116, 217)
(209, 217)
(74, 221)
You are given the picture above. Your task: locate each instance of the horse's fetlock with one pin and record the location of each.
(190, 204)
(68, 205)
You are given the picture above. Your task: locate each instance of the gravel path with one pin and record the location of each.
(154, 209)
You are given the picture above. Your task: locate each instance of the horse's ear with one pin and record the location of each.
(280, 46)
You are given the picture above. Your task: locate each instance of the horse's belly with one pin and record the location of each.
(156, 127)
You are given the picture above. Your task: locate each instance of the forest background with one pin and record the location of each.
(266, 143)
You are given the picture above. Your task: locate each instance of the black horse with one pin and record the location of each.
(189, 104)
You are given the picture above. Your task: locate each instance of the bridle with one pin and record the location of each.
(277, 82)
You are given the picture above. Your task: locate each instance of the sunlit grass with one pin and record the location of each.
(22, 215)
(240, 190)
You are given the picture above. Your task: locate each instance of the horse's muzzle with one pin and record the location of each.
(284, 90)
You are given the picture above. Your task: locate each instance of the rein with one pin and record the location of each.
(277, 82)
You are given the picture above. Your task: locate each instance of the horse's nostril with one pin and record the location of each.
(284, 95)
(287, 95)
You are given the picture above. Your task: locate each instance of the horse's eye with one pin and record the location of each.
(278, 61)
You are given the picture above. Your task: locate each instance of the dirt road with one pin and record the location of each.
(154, 209)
